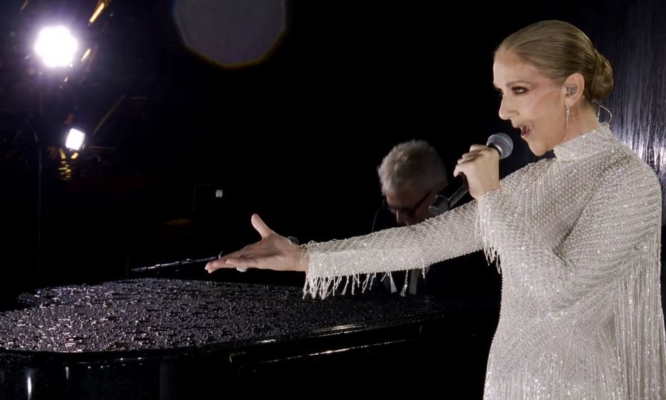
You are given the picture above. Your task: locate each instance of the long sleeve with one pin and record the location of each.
(446, 236)
(612, 233)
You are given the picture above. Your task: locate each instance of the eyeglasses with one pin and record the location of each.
(408, 211)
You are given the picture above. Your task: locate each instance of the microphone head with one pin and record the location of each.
(440, 205)
(502, 142)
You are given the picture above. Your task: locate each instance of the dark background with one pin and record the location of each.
(295, 137)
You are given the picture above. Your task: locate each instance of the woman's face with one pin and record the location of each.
(533, 102)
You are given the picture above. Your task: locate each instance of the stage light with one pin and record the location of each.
(75, 139)
(56, 46)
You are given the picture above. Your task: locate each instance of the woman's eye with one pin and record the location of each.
(519, 90)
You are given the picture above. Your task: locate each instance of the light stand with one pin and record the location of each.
(56, 48)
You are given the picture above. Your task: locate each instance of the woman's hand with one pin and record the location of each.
(273, 251)
(481, 169)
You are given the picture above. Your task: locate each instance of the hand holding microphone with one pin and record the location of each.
(480, 171)
(480, 165)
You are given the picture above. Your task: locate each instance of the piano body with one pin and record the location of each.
(167, 339)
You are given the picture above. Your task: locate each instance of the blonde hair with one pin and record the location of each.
(411, 164)
(560, 49)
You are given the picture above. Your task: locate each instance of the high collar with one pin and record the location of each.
(585, 145)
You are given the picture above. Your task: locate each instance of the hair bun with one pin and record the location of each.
(602, 80)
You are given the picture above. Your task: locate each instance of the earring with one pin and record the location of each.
(567, 111)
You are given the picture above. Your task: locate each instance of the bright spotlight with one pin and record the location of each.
(75, 139)
(56, 46)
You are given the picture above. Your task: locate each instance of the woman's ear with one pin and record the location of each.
(574, 87)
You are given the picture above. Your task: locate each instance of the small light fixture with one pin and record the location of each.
(75, 139)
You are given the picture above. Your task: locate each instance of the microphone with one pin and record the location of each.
(444, 202)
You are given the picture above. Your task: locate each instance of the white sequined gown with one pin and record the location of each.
(577, 240)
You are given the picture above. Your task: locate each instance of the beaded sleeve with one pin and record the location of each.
(357, 261)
